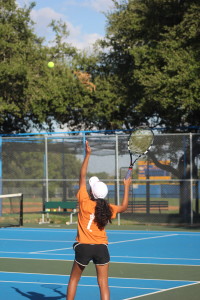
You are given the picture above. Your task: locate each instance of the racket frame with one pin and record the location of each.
(130, 169)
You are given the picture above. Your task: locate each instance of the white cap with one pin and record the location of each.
(99, 188)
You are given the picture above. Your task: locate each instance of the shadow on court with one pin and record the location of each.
(38, 296)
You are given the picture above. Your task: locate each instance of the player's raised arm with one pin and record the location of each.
(124, 203)
(83, 171)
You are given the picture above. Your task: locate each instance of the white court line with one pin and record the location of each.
(49, 241)
(133, 287)
(56, 254)
(12, 252)
(38, 252)
(146, 238)
(110, 277)
(161, 258)
(155, 237)
(114, 262)
(111, 231)
(85, 285)
(39, 230)
(48, 259)
(133, 232)
(155, 264)
(61, 275)
(161, 291)
(117, 233)
(9, 252)
(31, 282)
(112, 256)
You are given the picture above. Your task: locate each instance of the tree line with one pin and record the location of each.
(145, 70)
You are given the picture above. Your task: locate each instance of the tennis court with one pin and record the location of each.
(35, 263)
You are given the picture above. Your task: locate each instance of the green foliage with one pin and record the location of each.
(26, 161)
(168, 72)
(147, 70)
(154, 51)
(17, 50)
(32, 95)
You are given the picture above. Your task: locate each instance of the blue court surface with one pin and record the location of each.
(38, 286)
(126, 247)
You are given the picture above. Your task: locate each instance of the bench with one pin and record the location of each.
(159, 205)
(59, 207)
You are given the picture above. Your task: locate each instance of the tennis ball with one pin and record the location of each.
(51, 64)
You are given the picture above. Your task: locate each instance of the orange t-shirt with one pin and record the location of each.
(88, 231)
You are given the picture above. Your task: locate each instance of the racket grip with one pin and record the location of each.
(129, 173)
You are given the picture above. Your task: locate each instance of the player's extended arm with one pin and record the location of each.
(124, 203)
(83, 172)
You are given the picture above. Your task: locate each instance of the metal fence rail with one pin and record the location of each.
(46, 168)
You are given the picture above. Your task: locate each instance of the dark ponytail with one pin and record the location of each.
(103, 213)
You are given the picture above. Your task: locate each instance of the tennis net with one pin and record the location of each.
(11, 210)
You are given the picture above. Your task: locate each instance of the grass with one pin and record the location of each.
(126, 223)
(33, 215)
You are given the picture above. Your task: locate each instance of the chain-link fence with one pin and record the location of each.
(165, 182)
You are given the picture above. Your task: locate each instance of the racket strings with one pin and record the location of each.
(140, 141)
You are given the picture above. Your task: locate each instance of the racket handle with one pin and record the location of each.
(129, 173)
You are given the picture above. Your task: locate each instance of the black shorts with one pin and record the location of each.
(98, 253)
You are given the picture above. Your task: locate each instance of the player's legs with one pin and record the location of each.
(73, 281)
(102, 277)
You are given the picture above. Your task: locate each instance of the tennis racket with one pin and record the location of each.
(139, 143)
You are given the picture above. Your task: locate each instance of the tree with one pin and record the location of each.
(25, 160)
(32, 95)
(149, 70)
(19, 49)
(153, 50)
(182, 152)
(169, 71)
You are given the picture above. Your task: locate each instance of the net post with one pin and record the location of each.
(13, 213)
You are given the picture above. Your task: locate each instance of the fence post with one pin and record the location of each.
(147, 188)
(46, 170)
(84, 140)
(64, 184)
(1, 176)
(191, 180)
(45, 182)
(117, 173)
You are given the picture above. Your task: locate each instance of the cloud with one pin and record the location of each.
(84, 41)
(23, 2)
(97, 5)
(44, 16)
(77, 36)
(100, 5)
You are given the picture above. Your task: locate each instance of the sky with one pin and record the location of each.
(85, 19)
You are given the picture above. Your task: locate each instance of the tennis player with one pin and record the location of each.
(92, 243)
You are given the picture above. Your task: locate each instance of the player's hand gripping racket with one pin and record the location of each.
(139, 144)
